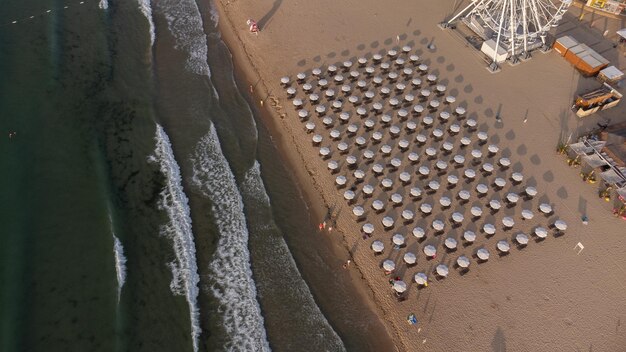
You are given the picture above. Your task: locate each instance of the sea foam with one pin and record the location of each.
(120, 265)
(174, 202)
(231, 279)
(146, 8)
(103, 4)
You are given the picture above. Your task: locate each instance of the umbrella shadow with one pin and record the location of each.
(265, 20)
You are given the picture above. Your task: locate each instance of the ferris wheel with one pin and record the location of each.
(518, 26)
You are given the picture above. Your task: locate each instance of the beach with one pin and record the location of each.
(542, 297)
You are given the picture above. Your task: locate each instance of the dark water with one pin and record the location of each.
(153, 145)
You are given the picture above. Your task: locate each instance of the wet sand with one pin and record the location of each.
(541, 297)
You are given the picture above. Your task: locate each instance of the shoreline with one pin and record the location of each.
(299, 170)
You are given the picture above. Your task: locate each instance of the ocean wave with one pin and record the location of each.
(120, 265)
(146, 8)
(185, 23)
(173, 200)
(231, 276)
(103, 4)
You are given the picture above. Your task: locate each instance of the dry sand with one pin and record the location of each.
(544, 297)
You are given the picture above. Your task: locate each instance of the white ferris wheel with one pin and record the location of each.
(518, 26)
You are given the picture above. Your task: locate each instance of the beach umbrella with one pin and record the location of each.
(545, 208)
(482, 188)
(415, 192)
(361, 111)
(407, 214)
(399, 86)
(378, 246)
(423, 170)
(489, 229)
(403, 113)
(418, 109)
(403, 144)
(527, 214)
(386, 119)
(482, 136)
(342, 146)
(477, 154)
(395, 162)
(411, 126)
(438, 225)
(512, 197)
(504, 162)
(430, 151)
(450, 99)
(327, 120)
(389, 265)
(463, 261)
(368, 228)
(340, 180)
(541, 232)
(434, 104)
(354, 74)
(503, 246)
(377, 136)
(369, 123)
(457, 217)
(301, 76)
(469, 173)
(500, 182)
(442, 270)
(396, 198)
(420, 138)
(521, 238)
(284, 80)
(517, 177)
(377, 168)
(530, 191)
(368, 189)
(359, 174)
(331, 92)
(399, 61)
(487, 167)
(447, 146)
(398, 239)
(346, 88)
(393, 102)
(362, 61)
(360, 141)
(332, 69)
(413, 157)
(459, 159)
(333, 165)
(430, 250)
(303, 114)
(423, 67)
(450, 243)
(352, 128)
(351, 160)
(407, 71)
(476, 211)
(440, 88)
(465, 141)
(307, 87)
(377, 106)
(455, 128)
(460, 110)
(310, 126)
(416, 82)
(386, 183)
(297, 102)
(431, 78)
(437, 133)
(399, 286)
(560, 225)
(482, 254)
(425, 93)
(426, 208)
(347, 64)
(353, 99)
(463, 194)
(418, 232)
(492, 148)
(469, 236)
(324, 151)
(453, 179)
(385, 149)
(291, 91)
(405, 176)
(385, 91)
(434, 185)
(427, 120)
(394, 130)
(441, 165)
(316, 71)
(337, 104)
(387, 221)
(377, 57)
(358, 211)
(392, 53)
(445, 201)
(421, 279)
(444, 115)
(495, 204)
(322, 83)
(471, 123)
(508, 221)
(410, 258)
(348, 195)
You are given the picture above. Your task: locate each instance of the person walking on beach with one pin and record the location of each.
(254, 28)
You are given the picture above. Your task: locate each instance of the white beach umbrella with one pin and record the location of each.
(340, 180)
(342, 146)
(489, 229)
(405, 177)
(416, 82)
(465, 141)
(444, 115)
(377, 136)
(447, 146)
(457, 217)
(368, 228)
(394, 130)
(403, 113)
(460, 110)
(434, 185)
(409, 98)
(322, 83)
(360, 141)
(307, 87)
(389, 265)
(434, 103)
(504, 162)
(378, 246)
(368, 189)
(469, 236)
(512, 197)
(450, 99)
(503, 246)
(393, 102)
(362, 61)
(407, 214)
(403, 144)
(377, 168)
(377, 57)
(396, 198)
(459, 159)
(437, 133)
(517, 177)
(476, 211)
(385, 91)
(411, 126)
(316, 71)
(530, 191)
(455, 128)
(450, 243)
(508, 221)
(387, 221)
(430, 250)
(415, 192)
(521, 238)
(482, 254)
(441, 88)
(495, 204)
(333, 165)
(301, 76)
(453, 179)
(463, 194)
(392, 53)
(431, 78)
(385, 149)
(423, 67)
(386, 119)
(469, 173)
(418, 109)
(441, 165)
(348, 195)
(399, 286)
(425, 93)
(337, 104)
(324, 151)
(487, 167)
(541, 232)
(418, 232)
(354, 74)
(421, 279)
(284, 80)
(560, 225)
(423, 170)
(358, 211)
(420, 138)
(352, 128)
(482, 136)
(500, 182)
(347, 64)
(445, 201)
(353, 99)
(377, 106)
(369, 123)
(361, 111)
(410, 258)
(332, 69)
(346, 88)
(430, 151)
(463, 261)
(482, 188)
(395, 162)
(438, 225)
(386, 183)
(427, 120)
(527, 214)
(359, 174)
(545, 208)
(493, 148)
(442, 270)
(471, 123)
(310, 126)
(477, 154)
(426, 208)
(399, 61)
(398, 239)
(297, 102)
(413, 157)
(303, 114)
(327, 121)
(351, 160)
(407, 71)
(291, 91)
(377, 205)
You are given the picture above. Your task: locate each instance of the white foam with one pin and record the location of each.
(146, 8)
(231, 279)
(103, 4)
(185, 23)
(173, 200)
(120, 264)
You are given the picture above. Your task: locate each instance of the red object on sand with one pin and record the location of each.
(254, 28)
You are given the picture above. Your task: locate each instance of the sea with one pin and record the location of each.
(142, 206)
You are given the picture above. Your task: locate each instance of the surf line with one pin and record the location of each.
(103, 4)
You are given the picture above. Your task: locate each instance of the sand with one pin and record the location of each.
(544, 297)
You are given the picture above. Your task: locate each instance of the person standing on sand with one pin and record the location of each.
(346, 264)
(254, 28)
